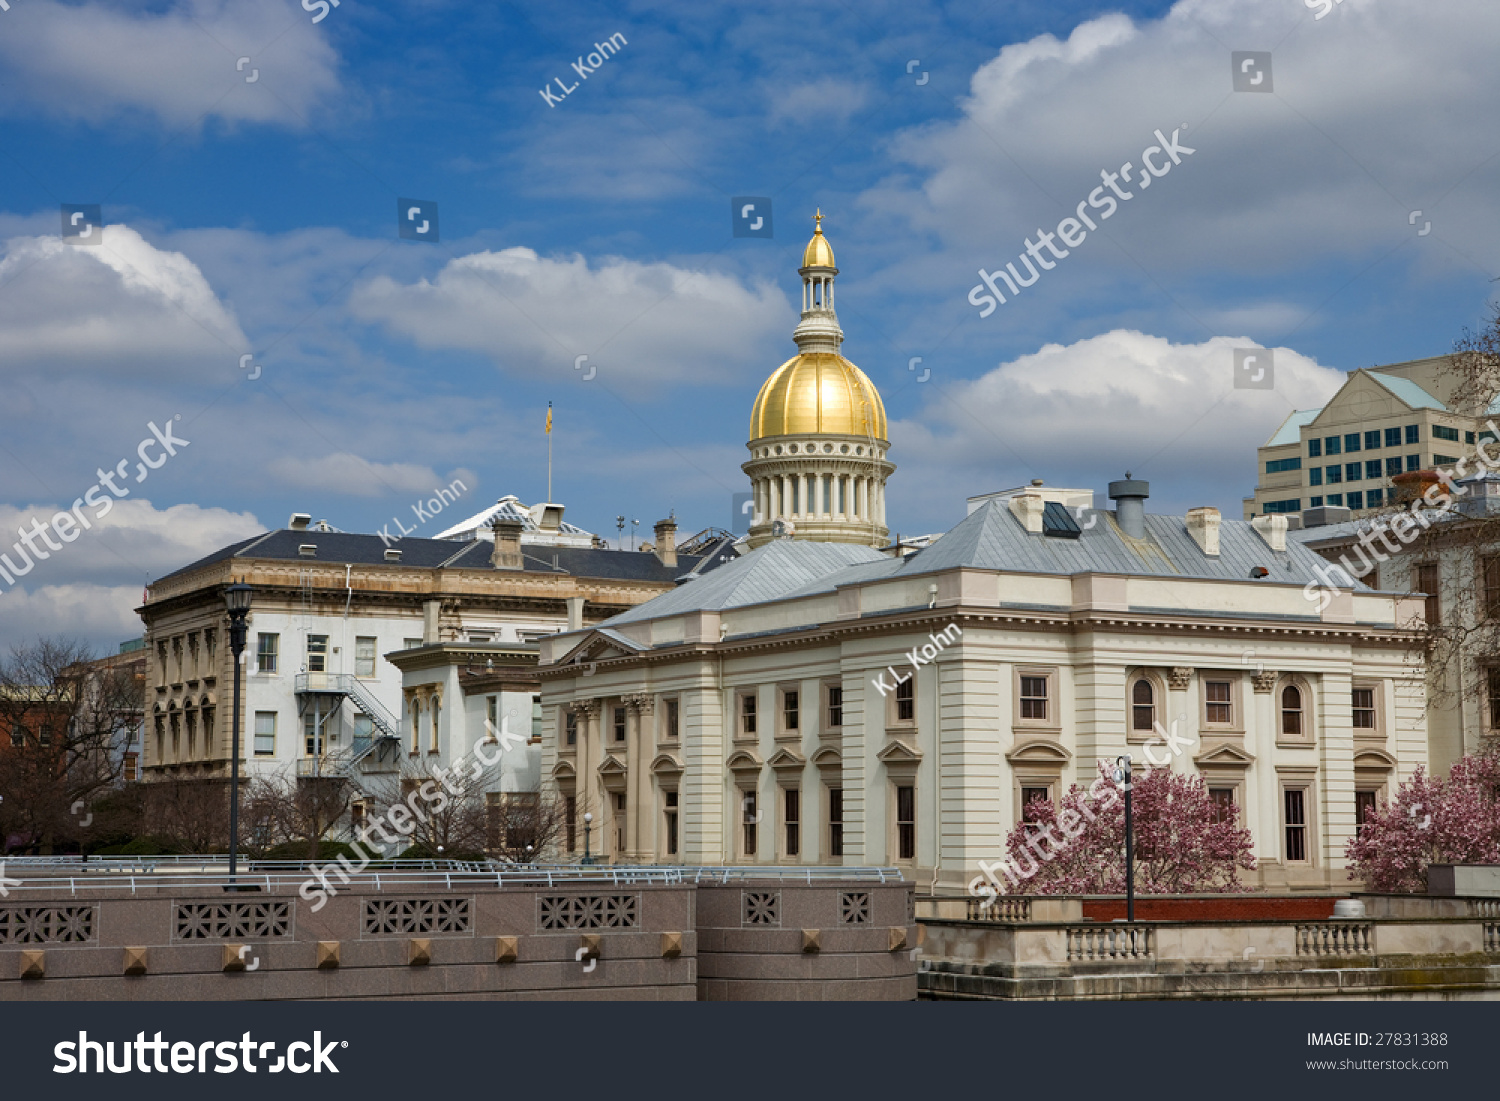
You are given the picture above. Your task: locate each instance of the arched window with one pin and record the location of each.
(1291, 711)
(1142, 705)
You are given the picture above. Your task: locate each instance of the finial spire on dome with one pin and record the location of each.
(818, 221)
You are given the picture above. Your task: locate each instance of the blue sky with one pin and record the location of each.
(259, 216)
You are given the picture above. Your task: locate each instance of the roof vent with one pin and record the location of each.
(392, 554)
(299, 521)
(1130, 505)
(308, 550)
(1258, 572)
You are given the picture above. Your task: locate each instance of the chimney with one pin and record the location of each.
(1272, 529)
(1130, 505)
(1028, 508)
(1203, 526)
(666, 541)
(575, 613)
(430, 611)
(506, 554)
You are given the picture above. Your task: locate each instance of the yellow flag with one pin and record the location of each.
(549, 418)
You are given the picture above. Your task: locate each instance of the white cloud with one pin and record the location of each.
(816, 103)
(346, 473)
(121, 305)
(90, 62)
(637, 322)
(98, 615)
(1083, 413)
(1372, 115)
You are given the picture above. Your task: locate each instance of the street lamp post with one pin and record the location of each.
(1122, 775)
(588, 820)
(237, 600)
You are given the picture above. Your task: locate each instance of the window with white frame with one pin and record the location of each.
(265, 733)
(364, 656)
(267, 652)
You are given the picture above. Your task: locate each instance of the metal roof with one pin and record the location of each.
(1291, 428)
(1408, 391)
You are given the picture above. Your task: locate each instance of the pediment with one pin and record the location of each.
(564, 770)
(1039, 752)
(598, 647)
(666, 764)
(786, 758)
(828, 757)
(1224, 756)
(743, 761)
(898, 753)
(1374, 758)
(612, 766)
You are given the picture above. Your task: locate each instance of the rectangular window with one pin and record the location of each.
(906, 700)
(1276, 466)
(1372, 440)
(1336, 499)
(1032, 796)
(835, 821)
(1356, 500)
(1491, 585)
(364, 729)
(266, 652)
(410, 643)
(1314, 449)
(1493, 683)
(1034, 698)
(1373, 497)
(1393, 437)
(492, 717)
(1294, 505)
(1353, 472)
(1315, 476)
(1413, 462)
(673, 720)
(364, 656)
(789, 717)
(536, 718)
(748, 819)
(619, 821)
(835, 706)
(131, 771)
(906, 822)
(1372, 469)
(1443, 460)
(1335, 475)
(570, 821)
(1425, 579)
(670, 799)
(1364, 807)
(317, 653)
(1413, 433)
(747, 714)
(570, 727)
(1443, 432)
(1295, 801)
(1351, 442)
(18, 733)
(1218, 696)
(619, 716)
(1364, 709)
(1331, 445)
(1393, 465)
(792, 820)
(1316, 502)
(1223, 803)
(265, 733)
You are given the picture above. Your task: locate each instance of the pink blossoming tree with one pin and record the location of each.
(1453, 821)
(1183, 843)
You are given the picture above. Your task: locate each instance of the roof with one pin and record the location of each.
(369, 550)
(1291, 428)
(772, 572)
(1408, 391)
(506, 508)
(991, 538)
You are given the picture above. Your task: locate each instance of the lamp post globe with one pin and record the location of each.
(588, 820)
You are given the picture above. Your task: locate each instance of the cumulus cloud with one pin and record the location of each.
(121, 305)
(1081, 414)
(90, 62)
(1372, 115)
(99, 615)
(637, 322)
(344, 472)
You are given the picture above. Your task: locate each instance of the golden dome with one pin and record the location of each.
(818, 253)
(818, 392)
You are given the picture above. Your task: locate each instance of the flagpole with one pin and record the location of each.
(549, 452)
